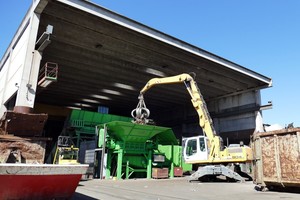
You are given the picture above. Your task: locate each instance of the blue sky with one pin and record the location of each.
(262, 35)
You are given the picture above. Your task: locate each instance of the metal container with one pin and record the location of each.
(39, 181)
(277, 159)
(160, 173)
(22, 124)
(178, 171)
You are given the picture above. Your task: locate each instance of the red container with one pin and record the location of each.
(178, 171)
(39, 182)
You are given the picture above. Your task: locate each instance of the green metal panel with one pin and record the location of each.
(94, 118)
(130, 132)
(84, 122)
(101, 138)
(136, 161)
(186, 166)
(174, 157)
(136, 144)
(171, 155)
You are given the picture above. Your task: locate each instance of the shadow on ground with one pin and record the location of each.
(281, 189)
(78, 196)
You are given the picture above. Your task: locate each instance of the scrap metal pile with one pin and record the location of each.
(21, 138)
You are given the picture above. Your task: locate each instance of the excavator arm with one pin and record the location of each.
(141, 113)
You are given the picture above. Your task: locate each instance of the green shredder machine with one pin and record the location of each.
(131, 148)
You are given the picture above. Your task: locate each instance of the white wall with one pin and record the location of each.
(18, 66)
(11, 73)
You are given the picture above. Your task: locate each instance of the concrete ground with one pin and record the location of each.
(172, 189)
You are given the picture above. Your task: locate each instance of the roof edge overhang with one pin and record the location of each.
(96, 10)
(121, 20)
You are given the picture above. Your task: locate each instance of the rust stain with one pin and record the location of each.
(280, 157)
(268, 155)
(22, 124)
(289, 157)
(22, 150)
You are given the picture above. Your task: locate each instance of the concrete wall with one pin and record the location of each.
(20, 63)
(236, 112)
(234, 117)
(11, 73)
(13, 65)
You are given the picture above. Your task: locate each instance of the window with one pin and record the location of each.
(191, 147)
(202, 144)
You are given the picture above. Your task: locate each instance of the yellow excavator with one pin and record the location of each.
(206, 151)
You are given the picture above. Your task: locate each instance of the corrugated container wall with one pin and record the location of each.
(277, 159)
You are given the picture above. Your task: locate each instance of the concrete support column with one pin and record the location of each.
(259, 127)
(28, 84)
(259, 122)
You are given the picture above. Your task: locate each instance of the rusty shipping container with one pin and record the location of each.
(277, 159)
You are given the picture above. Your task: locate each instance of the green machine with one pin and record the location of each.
(135, 149)
(174, 157)
(82, 124)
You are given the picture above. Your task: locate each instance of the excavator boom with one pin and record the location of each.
(198, 102)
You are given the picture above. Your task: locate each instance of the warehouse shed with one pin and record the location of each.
(73, 54)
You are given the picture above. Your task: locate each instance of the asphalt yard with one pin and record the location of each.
(173, 189)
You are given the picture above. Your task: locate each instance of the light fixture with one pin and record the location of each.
(124, 86)
(111, 92)
(73, 108)
(90, 101)
(44, 40)
(97, 96)
(155, 72)
(82, 105)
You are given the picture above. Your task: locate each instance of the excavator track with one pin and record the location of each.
(215, 170)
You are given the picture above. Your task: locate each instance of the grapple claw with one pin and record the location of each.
(141, 112)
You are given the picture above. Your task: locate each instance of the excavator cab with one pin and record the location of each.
(195, 149)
